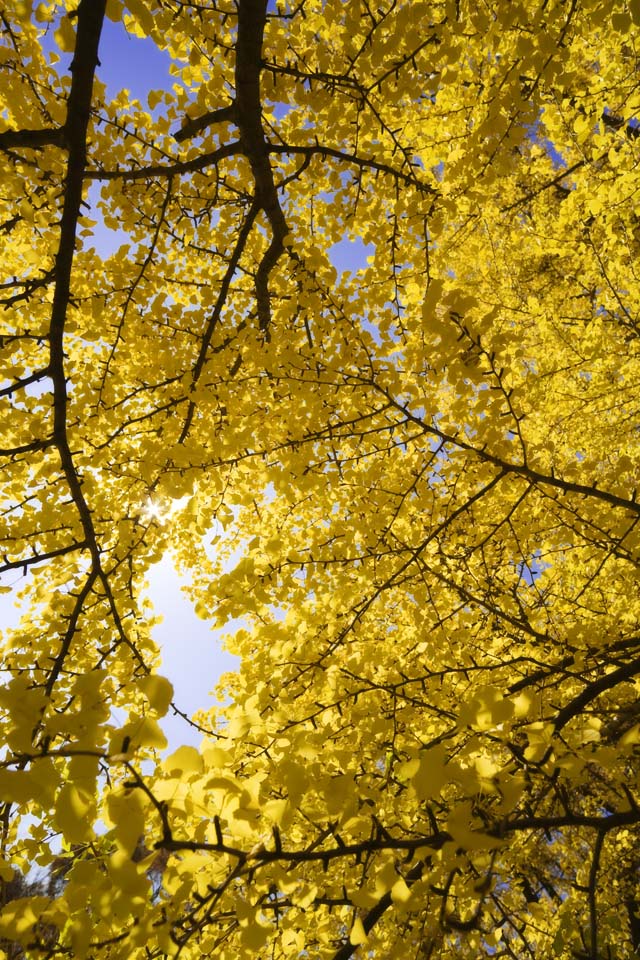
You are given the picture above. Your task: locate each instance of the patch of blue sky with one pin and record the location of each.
(534, 134)
(193, 657)
(438, 171)
(279, 109)
(530, 569)
(106, 240)
(132, 63)
(350, 254)
(126, 62)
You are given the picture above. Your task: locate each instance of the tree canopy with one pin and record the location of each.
(413, 480)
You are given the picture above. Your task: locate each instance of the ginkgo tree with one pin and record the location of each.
(414, 481)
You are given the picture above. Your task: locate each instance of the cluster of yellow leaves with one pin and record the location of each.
(418, 471)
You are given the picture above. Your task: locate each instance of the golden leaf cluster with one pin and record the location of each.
(347, 320)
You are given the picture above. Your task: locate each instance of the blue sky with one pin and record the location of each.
(193, 658)
(131, 63)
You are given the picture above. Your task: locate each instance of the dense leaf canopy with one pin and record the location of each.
(413, 480)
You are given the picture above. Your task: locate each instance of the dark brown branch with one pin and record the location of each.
(193, 126)
(576, 821)
(27, 287)
(168, 169)
(633, 916)
(32, 447)
(356, 850)
(251, 22)
(555, 181)
(70, 632)
(24, 382)
(408, 846)
(372, 917)
(90, 18)
(40, 557)
(593, 907)
(609, 120)
(363, 163)
(33, 139)
(216, 313)
(593, 690)
(519, 469)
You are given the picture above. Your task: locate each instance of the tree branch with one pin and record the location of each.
(193, 126)
(33, 139)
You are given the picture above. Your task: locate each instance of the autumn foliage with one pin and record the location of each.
(413, 480)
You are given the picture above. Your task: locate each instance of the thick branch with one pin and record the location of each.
(251, 21)
(33, 139)
(593, 886)
(519, 469)
(168, 169)
(40, 557)
(24, 382)
(70, 632)
(192, 127)
(408, 846)
(363, 163)
(90, 17)
(372, 917)
(593, 690)
(356, 850)
(26, 448)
